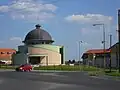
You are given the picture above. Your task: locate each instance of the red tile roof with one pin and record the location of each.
(97, 51)
(4, 55)
(7, 49)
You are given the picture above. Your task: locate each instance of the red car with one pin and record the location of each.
(24, 67)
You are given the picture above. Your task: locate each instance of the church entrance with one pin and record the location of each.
(35, 60)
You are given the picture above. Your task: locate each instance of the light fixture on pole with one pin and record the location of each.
(79, 51)
(101, 24)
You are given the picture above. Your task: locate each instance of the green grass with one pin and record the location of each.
(112, 73)
(106, 72)
(92, 71)
(7, 67)
(60, 68)
(67, 68)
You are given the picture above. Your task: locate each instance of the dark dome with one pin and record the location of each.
(38, 34)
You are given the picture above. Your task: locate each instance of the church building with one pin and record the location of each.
(38, 49)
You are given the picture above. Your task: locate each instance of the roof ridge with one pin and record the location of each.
(7, 48)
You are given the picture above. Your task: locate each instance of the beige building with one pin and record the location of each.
(95, 57)
(39, 50)
(114, 55)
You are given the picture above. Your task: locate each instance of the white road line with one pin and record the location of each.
(1, 81)
(48, 74)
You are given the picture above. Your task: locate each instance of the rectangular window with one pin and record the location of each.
(2, 52)
(9, 52)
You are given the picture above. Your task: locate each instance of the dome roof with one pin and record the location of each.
(38, 34)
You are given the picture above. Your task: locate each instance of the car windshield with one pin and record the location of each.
(22, 65)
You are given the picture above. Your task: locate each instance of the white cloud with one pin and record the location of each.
(15, 39)
(89, 18)
(86, 44)
(12, 42)
(29, 10)
(4, 8)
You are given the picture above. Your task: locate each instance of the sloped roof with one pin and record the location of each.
(7, 50)
(116, 44)
(6, 56)
(92, 51)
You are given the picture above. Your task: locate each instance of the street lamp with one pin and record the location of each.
(79, 51)
(103, 26)
(110, 55)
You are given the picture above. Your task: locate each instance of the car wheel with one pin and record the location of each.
(23, 70)
(27, 70)
(30, 70)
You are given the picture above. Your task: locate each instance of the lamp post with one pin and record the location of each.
(103, 26)
(110, 47)
(79, 50)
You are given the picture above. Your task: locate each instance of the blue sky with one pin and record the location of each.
(68, 21)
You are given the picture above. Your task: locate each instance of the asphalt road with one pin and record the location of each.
(11, 80)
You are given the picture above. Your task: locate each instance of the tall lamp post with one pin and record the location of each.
(103, 25)
(79, 51)
(110, 55)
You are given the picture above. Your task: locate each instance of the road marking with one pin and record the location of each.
(49, 74)
(99, 77)
(1, 81)
(53, 74)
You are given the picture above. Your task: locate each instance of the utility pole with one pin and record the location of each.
(119, 37)
(103, 42)
(110, 55)
(79, 51)
(104, 46)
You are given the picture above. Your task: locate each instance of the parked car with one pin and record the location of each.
(24, 67)
(2, 63)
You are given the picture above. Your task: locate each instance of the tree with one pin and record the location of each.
(73, 61)
(69, 62)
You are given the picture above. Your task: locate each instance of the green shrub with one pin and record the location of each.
(67, 68)
(92, 73)
(7, 67)
(113, 73)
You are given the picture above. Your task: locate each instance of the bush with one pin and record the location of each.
(63, 68)
(92, 73)
(67, 68)
(7, 67)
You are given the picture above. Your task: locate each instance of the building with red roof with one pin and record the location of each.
(97, 51)
(115, 55)
(95, 57)
(6, 55)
